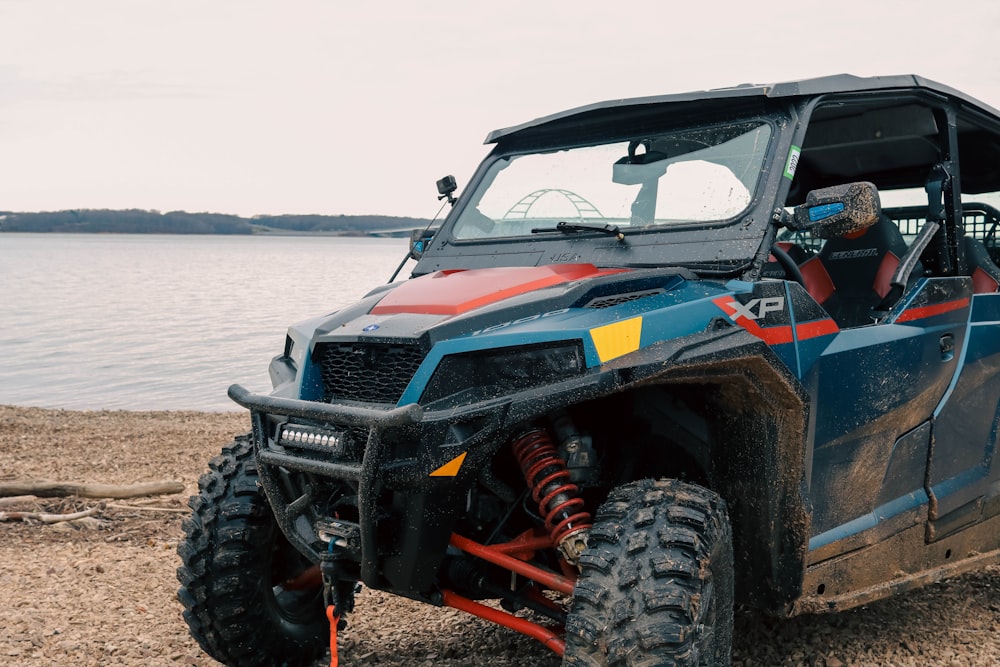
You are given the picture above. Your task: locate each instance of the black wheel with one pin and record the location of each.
(235, 560)
(656, 586)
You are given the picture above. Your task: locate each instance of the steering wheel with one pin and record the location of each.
(788, 264)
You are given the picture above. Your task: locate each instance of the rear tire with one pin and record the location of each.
(234, 561)
(656, 582)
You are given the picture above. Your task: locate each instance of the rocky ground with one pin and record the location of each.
(102, 591)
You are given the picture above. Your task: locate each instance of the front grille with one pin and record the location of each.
(369, 372)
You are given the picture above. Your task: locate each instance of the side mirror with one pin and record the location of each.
(838, 210)
(419, 240)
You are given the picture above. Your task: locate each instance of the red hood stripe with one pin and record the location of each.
(456, 292)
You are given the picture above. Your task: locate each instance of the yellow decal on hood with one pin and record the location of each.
(617, 339)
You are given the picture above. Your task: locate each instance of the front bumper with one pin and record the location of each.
(405, 514)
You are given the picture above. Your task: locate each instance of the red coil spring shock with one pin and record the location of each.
(557, 497)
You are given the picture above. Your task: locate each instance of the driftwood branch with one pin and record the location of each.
(149, 508)
(17, 500)
(45, 517)
(83, 490)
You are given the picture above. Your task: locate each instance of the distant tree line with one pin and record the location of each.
(136, 221)
(358, 224)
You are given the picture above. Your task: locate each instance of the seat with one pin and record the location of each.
(852, 274)
(985, 274)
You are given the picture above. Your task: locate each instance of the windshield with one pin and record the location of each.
(694, 176)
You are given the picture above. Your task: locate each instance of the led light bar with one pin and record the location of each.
(297, 435)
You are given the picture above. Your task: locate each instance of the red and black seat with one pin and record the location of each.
(852, 274)
(985, 274)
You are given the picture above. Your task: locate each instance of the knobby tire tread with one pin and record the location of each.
(656, 580)
(225, 575)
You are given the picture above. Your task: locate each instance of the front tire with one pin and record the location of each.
(234, 562)
(656, 581)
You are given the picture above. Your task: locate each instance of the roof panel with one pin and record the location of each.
(839, 83)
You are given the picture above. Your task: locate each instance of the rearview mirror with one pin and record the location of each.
(838, 210)
(639, 169)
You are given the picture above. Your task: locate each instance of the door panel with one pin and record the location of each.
(962, 469)
(875, 388)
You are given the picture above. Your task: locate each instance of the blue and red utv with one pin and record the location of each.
(664, 356)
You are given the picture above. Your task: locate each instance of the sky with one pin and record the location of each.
(264, 107)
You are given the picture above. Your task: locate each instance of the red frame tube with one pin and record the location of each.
(498, 555)
(548, 637)
(524, 546)
(547, 578)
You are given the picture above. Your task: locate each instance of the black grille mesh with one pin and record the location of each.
(616, 299)
(370, 372)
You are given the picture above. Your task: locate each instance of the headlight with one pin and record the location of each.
(475, 376)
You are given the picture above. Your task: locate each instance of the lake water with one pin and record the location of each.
(150, 322)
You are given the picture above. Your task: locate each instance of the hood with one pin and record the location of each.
(450, 311)
(457, 292)
(387, 347)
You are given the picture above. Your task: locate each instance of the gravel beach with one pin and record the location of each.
(101, 591)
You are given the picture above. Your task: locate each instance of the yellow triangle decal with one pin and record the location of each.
(450, 469)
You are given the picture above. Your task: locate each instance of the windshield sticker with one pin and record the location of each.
(793, 162)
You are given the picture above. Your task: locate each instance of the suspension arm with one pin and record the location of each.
(547, 578)
(548, 637)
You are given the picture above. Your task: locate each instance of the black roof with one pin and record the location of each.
(839, 83)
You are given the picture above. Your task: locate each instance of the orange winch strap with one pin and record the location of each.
(334, 620)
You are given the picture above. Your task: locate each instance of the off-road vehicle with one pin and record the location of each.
(663, 356)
